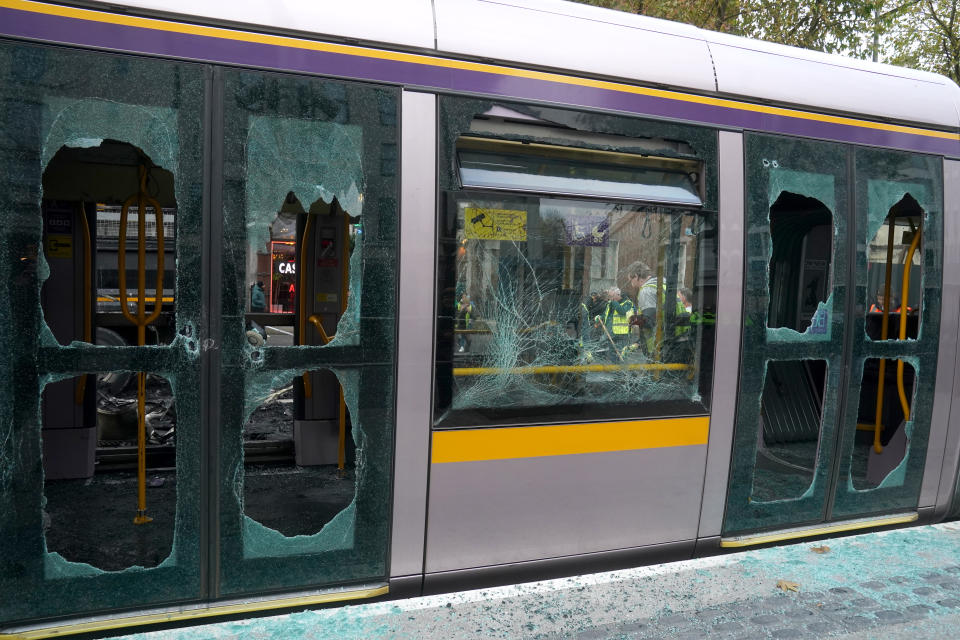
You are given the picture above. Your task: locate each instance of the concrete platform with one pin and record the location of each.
(895, 584)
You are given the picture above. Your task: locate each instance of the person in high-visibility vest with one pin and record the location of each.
(616, 318)
(643, 280)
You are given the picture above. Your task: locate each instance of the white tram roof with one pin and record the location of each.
(560, 35)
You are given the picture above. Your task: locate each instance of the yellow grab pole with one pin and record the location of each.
(884, 327)
(342, 441)
(87, 278)
(304, 298)
(661, 301)
(344, 291)
(903, 319)
(141, 320)
(570, 368)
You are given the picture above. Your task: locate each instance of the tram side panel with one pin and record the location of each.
(574, 349)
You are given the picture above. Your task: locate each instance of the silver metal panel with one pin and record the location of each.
(415, 344)
(749, 68)
(534, 570)
(501, 511)
(726, 364)
(408, 23)
(943, 453)
(577, 37)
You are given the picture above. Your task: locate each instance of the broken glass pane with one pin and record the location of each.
(557, 307)
(788, 438)
(77, 128)
(88, 517)
(895, 274)
(299, 457)
(899, 195)
(308, 305)
(883, 425)
(792, 366)
(91, 203)
(801, 237)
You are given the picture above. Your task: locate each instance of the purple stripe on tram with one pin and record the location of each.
(223, 50)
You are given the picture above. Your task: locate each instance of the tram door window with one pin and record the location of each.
(307, 318)
(829, 425)
(99, 419)
(884, 439)
(895, 273)
(791, 412)
(91, 210)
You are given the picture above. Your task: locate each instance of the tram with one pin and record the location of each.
(300, 307)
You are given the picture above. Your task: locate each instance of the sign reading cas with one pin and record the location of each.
(495, 224)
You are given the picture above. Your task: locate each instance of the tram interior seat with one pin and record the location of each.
(874, 325)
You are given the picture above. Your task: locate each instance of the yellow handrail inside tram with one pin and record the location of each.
(87, 284)
(884, 328)
(304, 298)
(141, 320)
(344, 292)
(573, 368)
(661, 295)
(904, 404)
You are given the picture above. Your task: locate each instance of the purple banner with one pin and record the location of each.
(587, 231)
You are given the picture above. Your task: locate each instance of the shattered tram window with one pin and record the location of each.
(100, 424)
(103, 537)
(899, 279)
(299, 475)
(791, 414)
(591, 297)
(895, 272)
(308, 321)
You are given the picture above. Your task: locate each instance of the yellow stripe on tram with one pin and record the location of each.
(473, 445)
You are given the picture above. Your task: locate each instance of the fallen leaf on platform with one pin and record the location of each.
(823, 549)
(785, 585)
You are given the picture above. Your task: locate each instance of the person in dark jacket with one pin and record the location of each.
(258, 298)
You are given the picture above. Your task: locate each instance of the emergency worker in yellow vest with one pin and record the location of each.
(616, 318)
(643, 280)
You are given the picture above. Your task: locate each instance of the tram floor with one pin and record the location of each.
(91, 520)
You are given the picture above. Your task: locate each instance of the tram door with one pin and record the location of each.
(198, 319)
(841, 323)
(305, 332)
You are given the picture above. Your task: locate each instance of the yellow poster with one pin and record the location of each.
(59, 246)
(495, 224)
